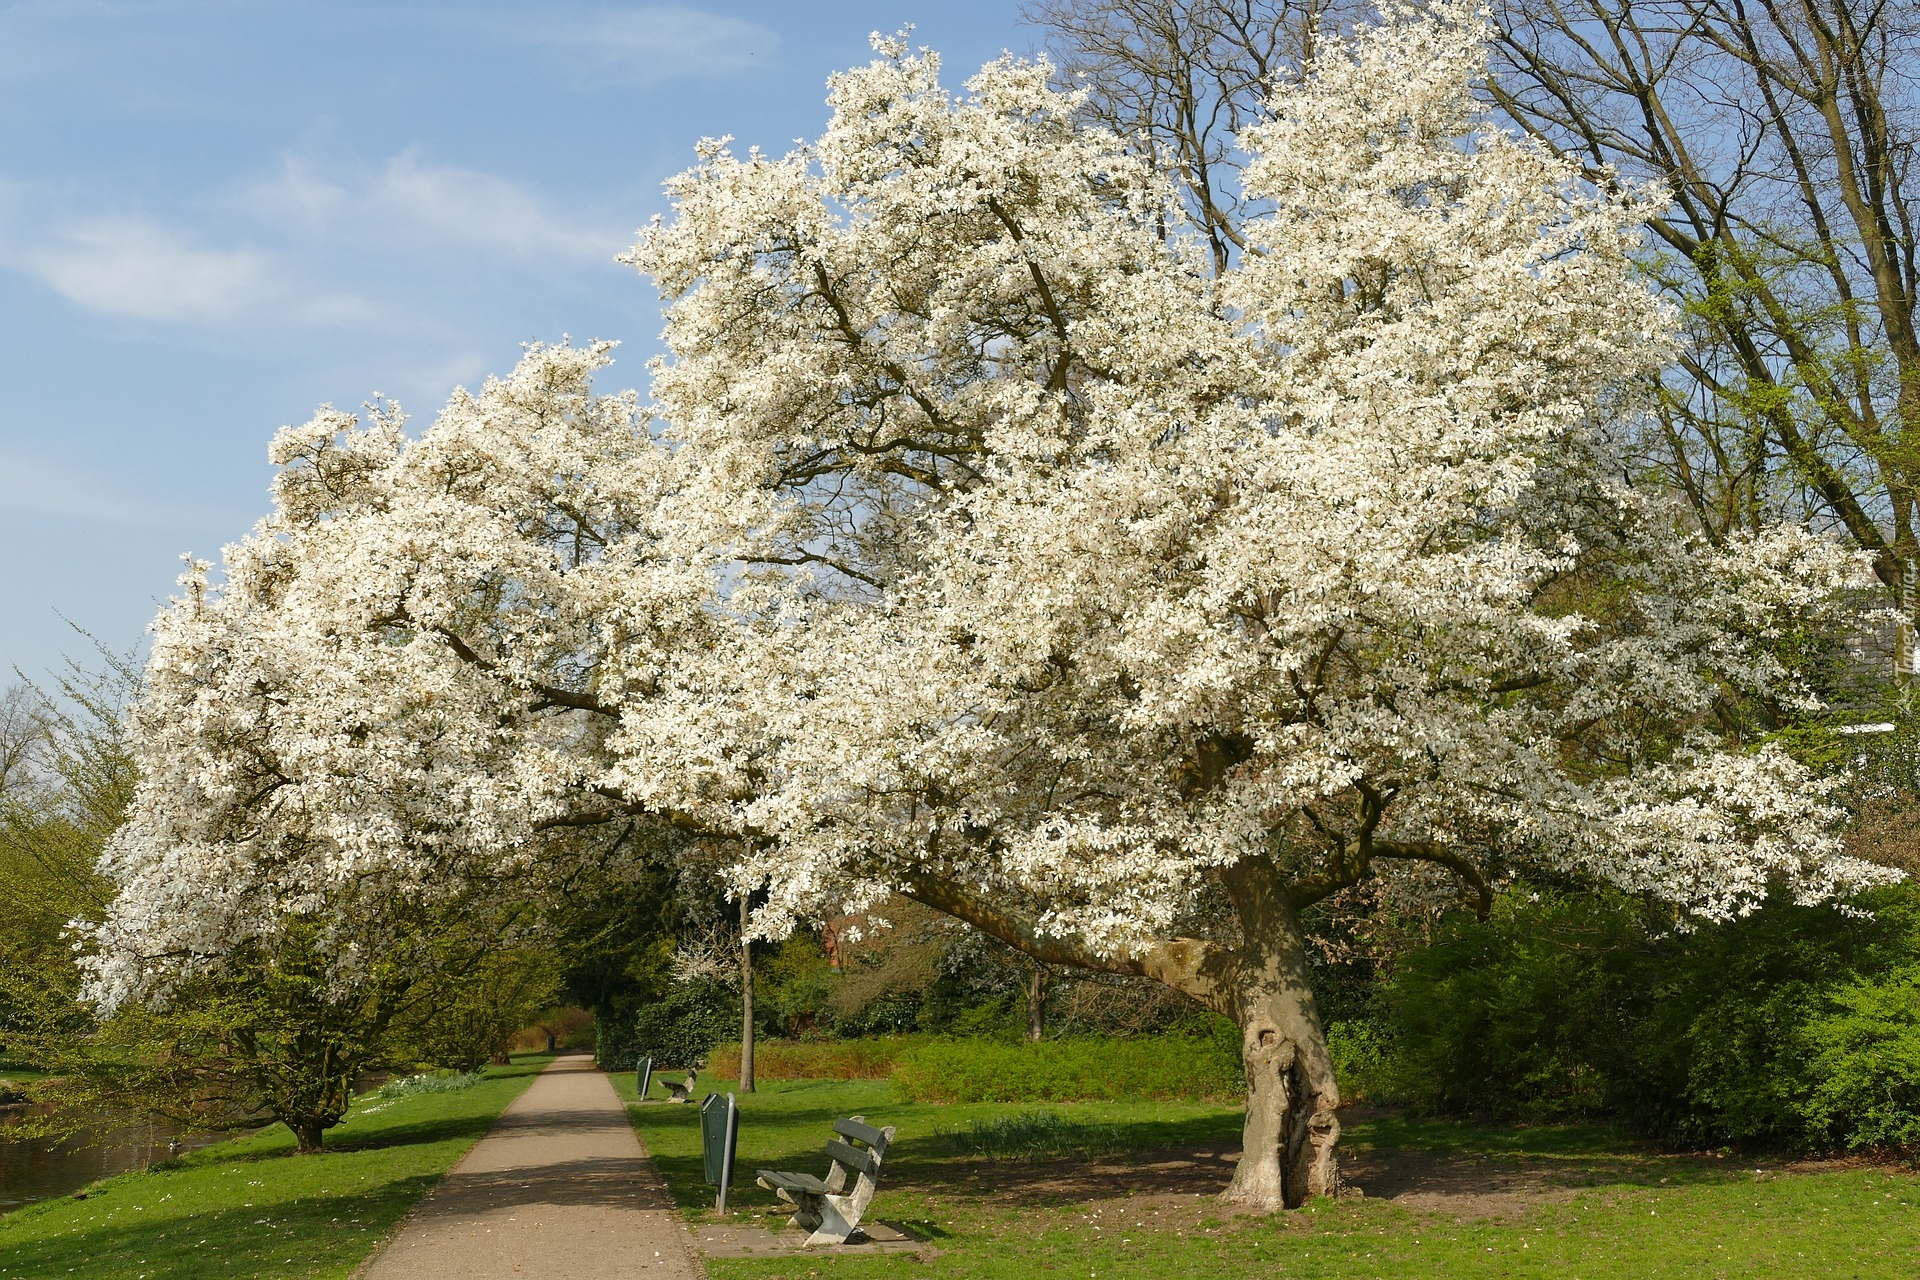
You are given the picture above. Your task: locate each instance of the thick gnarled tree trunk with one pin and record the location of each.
(1292, 1129)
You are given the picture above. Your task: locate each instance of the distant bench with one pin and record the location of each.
(823, 1205)
(644, 1078)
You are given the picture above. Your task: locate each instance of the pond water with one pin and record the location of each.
(37, 1170)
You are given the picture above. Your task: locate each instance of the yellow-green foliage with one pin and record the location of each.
(869, 1059)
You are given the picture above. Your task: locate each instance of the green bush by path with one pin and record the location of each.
(251, 1208)
(1155, 1067)
(680, 1029)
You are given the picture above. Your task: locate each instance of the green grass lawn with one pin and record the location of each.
(1643, 1216)
(251, 1208)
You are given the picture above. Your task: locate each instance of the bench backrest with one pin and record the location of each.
(865, 1162)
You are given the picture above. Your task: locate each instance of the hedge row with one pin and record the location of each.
(1160, 1068)
(867, 1059)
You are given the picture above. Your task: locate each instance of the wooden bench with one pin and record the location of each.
(824, 1205)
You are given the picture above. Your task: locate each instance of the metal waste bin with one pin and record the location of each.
(719, 1128)
(643, 1078)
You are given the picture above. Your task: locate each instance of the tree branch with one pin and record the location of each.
(1190, 966)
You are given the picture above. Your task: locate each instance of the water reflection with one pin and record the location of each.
(31, 1171)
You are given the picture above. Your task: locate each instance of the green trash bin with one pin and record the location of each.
(643, 1078)
(719, 1129)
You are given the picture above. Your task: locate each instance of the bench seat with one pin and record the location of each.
(774, 1180)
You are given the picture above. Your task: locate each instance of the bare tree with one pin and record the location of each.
(1185, 77)
(23, 737)
(1784, 130)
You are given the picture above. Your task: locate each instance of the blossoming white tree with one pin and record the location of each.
(1187, 596)
(985, 548)
(391, 690)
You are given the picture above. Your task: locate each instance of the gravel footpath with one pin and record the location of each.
(559, 1184)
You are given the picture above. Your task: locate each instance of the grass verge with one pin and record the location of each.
(252, 1208)
(1616, 1212)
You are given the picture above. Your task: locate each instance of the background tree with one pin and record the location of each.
(69, 774)
(1785, 134)
(1186, 78)
(279, 1033)
(273, 1036)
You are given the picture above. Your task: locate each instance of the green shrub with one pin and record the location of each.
(1362, 1052)
(1863, 1058)
(870, 1059)
(1524, 1016)
(890, 1015)
(681, 1028)
(1157, 1067)
(1796, 1027)
(615, 1046)
(793, 988)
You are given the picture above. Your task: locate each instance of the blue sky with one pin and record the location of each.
(215, 216)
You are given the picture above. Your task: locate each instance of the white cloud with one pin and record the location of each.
(33, 486)
(479, 210)
(133, 267)
(411, 203)
(136, 267)
(298, 195)
(651, 44)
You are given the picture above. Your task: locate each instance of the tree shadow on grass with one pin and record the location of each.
(1479, 1170)
(1388, 1127)
(405, 1134)
(268, 1241)
(1184, 1155)
(426, 1130)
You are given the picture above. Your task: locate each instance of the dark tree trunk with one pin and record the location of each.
(746, 1000)
(307, 1135)
(1037, 1002)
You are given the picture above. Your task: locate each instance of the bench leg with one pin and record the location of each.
(806, 1210)
(833, 1228)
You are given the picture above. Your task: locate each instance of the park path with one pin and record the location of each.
(559, 1184)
